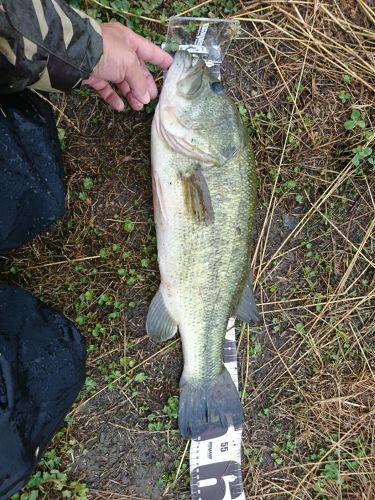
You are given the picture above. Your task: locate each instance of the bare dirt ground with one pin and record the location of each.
(302, 73)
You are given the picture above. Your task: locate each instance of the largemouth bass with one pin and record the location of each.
(204, 188)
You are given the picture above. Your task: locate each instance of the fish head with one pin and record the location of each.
(195, 115)
(191, 90)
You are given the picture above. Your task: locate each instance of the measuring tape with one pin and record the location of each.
(215, 459)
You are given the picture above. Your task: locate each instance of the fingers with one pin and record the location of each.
(107, 93)
(134, 98)
(149, 52)
(133, 102)
(123, 64)
(137, 80)
(151, 85)
(126, 92)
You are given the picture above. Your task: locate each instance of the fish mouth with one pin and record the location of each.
(183, 59)
(188, 63)
(184, 65)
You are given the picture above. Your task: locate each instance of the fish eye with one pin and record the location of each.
(217, 87)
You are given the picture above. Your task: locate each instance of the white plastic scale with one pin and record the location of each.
(215, 459)
(215, 462)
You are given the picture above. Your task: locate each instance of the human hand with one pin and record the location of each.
(123, 64)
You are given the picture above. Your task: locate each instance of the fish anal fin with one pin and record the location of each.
(159, 324)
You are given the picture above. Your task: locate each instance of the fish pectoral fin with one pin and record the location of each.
(159, 324)
(197, 198)
(247, 309)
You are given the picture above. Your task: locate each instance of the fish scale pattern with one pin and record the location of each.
(209, 264)
(204, 263)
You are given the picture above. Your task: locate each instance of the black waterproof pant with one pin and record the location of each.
(42, 354)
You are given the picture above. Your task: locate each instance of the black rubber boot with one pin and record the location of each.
(42, 369)
(31, 171)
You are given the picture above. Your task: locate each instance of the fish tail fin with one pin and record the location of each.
(208, 405)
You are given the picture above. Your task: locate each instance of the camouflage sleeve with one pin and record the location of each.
(45, 44)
